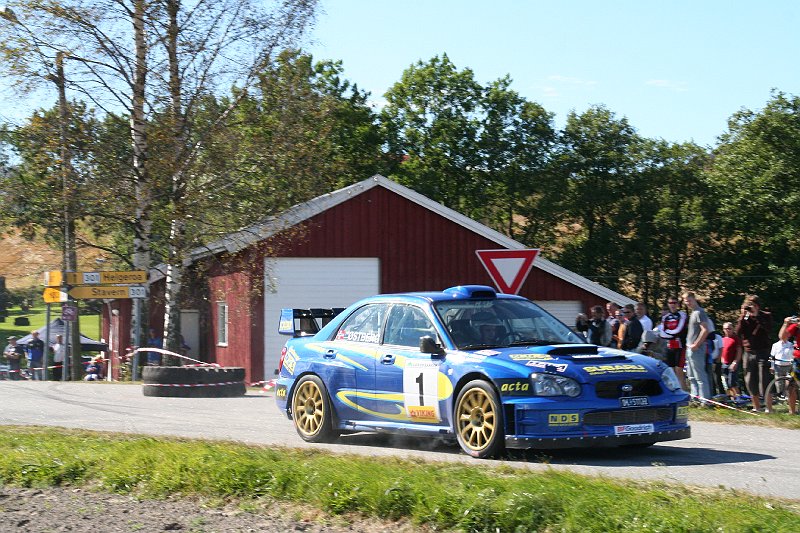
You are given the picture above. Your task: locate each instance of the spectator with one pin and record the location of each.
(582, 325)
(753, 329)
(641, 315)
(58, 357)
(652, 345)
(782, 354)
(599, 329)
(14, 354)
(790, 330)
(731, 359)
(154, 341)
(94, 370)
(696, 333)
(35, 354)
(714, 349)
(633, 329)
(612, 311)
(673, 330)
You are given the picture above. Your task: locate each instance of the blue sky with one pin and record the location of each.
(676, 69)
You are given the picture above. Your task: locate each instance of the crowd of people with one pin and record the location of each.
(738, 362)
(32, 353)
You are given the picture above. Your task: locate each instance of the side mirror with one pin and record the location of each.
(427, 344)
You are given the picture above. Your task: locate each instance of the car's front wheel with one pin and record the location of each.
(479, 420)
(311, 411)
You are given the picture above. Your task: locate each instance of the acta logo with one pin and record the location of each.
(515, 386)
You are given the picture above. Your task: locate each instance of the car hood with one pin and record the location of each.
(582, 362)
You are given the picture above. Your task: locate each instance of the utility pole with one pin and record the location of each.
(70, 257)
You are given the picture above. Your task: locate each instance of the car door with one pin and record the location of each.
(355, 348)
(411, 379)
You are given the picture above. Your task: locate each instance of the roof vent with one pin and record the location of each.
(471, 291)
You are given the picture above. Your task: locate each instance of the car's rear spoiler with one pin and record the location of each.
(304, 322)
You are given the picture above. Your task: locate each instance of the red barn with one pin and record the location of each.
(372, 237)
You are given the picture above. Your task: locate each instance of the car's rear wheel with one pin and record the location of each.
(479, 420)
(311, 411)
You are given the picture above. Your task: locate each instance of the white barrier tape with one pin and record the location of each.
(191, 384)
(173, 354)
(35, 368)
(723, 405)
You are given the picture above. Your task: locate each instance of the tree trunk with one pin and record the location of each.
(142, 187)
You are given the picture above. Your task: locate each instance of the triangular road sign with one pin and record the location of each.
(508, 268)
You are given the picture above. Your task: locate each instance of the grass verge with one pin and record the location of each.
(441, 496)
(780, 419)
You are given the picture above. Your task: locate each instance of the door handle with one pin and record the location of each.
(388, 359)
(330, 354)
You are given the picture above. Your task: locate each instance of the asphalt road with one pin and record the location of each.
(755, 459)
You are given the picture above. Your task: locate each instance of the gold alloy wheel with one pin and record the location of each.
(476, 419)
(308, 408)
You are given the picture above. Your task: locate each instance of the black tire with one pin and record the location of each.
(231, 390)
(193, 382)
(775, 392)
(312, 412)
(183, 375)
(478, 420)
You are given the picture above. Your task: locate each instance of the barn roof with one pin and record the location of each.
(239, 240)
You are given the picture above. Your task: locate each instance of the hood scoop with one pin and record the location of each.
(573, 349)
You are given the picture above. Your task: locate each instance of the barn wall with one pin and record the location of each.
(418, 248)
(234, 288)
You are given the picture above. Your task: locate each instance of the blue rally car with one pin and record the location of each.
(493, 370)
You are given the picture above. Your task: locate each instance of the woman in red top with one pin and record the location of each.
(790, 329)
(731, 356)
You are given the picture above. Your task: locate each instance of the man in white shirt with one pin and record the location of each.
(58, 357)
(641, 314)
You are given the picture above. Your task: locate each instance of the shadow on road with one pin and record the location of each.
(658, 455)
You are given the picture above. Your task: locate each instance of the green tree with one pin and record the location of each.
(596, 166)
(756, 174)
(516, 142)
(431, 125)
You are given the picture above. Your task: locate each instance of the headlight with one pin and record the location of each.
(670, 379)
(550, 385)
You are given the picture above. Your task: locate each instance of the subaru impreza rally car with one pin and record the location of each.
(492, 370)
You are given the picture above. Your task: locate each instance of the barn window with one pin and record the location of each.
(222, 324)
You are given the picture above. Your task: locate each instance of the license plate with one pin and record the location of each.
(633, 429)
(635, 401)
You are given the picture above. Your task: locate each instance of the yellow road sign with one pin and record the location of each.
(52, 296)
(89, 293)
(106, 278)
(53, 278)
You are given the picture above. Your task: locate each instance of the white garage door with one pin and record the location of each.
(311, 282)
(564, 310)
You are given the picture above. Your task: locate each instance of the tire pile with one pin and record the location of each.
(193, 382)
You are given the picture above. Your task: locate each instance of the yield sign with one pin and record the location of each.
(508, 268)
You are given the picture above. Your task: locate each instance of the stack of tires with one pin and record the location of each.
(193, 381)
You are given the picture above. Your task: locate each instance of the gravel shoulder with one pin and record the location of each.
(59, 509)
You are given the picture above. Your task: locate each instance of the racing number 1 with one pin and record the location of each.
(420, 382)
(421, 390)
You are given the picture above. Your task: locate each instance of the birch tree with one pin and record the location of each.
(154, 63)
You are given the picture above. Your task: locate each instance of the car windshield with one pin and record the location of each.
(476, 324)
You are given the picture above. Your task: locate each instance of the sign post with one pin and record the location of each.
(508, 268)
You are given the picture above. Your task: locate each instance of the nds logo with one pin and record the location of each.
(280, 392)
(563, 419)
(514, 387)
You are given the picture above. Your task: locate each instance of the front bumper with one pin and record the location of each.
(597, 441)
